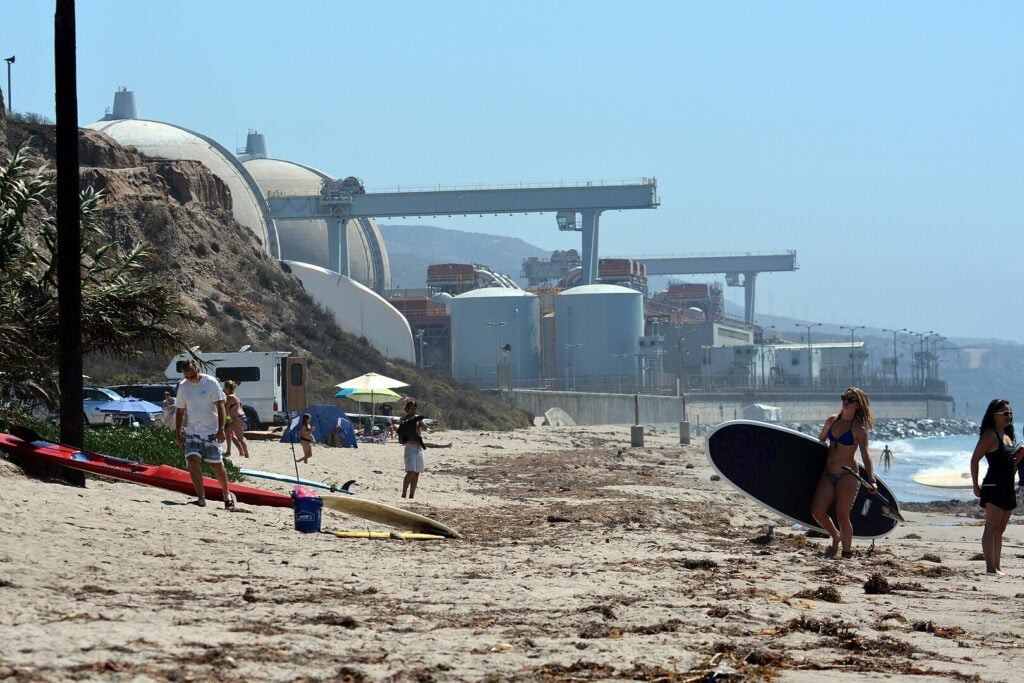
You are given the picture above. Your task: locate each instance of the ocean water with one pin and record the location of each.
(913, 456)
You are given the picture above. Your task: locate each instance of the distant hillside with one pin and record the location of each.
(411, 248)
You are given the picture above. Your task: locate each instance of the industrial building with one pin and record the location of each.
(495, 337)
(585, 325)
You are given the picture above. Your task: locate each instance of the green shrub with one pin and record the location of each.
(151, 445)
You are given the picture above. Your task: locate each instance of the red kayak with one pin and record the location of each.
(162, 476)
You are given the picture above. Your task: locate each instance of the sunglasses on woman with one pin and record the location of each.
(849, 399)
(1004, 413)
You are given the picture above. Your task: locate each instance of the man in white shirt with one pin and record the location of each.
(201, 397)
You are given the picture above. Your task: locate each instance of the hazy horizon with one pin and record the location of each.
(878, 140)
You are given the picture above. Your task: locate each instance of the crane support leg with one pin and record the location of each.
(337, 245)
(749, 282)
(591, 219)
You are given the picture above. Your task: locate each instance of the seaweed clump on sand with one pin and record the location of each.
(877, 585)
(823, 593)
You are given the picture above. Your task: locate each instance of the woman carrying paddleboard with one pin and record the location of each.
(845, 432)
(996, 494)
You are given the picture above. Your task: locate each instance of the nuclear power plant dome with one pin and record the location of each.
(167, 141)
(306, 239)
(250, 176)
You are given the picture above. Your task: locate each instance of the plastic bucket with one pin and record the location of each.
(307, 506)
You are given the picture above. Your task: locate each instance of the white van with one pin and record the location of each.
(270, 383)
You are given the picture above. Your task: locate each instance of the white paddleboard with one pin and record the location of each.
(947, 479)
(334, 488)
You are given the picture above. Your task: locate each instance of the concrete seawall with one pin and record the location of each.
(595, 408)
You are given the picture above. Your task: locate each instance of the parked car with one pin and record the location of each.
(93, 398)
(152, 392)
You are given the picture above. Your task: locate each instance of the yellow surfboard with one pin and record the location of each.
(387, 515)
(398, 535)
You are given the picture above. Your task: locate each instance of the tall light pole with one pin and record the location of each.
(852, 329)
(9, 60)
(931, 340)
(895, 357)
(810, 373)
(919, 355)
(497, 351)
(770, 327)
(421, 344)
(515, 351)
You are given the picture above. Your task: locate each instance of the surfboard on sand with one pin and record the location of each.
(779, 468)
(947, 479)
(291, 479)
(387, 515)
(398, 535)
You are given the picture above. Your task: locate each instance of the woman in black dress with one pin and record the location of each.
(996, 494)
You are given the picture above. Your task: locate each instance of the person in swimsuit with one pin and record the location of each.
(235, 421)
(306, 439)
(845, 432)
(996, 494)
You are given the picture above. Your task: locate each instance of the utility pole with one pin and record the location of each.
(852, 329)
(770, 327)
(9, 60)
(420, 343)
(810, 373)
(69, 231)
(895, 357)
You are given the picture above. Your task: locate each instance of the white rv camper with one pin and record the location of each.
(270, 383)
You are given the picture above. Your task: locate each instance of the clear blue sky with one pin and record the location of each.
(883, 141)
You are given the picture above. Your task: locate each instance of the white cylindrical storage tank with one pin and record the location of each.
(597, 332)
(496, 337)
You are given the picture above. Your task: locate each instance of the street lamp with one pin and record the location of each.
(918, 356)
(9, 60)
(852, 329)
(895, 357)
(931, 340)
(769, 327)
(810, 374)
(497, 351)
(515, 357)
(420, 344)
(619, 357)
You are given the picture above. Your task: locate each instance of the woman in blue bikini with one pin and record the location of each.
(845, 432)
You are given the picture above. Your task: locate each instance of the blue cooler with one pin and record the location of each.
(307, 505)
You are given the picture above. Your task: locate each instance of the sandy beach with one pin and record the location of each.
(581, 559)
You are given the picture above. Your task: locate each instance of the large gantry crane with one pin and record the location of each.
(733, 265)
(340, 200)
